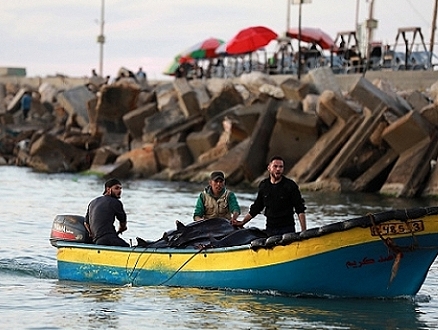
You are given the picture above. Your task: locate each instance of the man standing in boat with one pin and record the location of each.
(281, 198)
(216, 201)
(101, 214)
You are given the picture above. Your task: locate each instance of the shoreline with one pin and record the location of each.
(402, 80)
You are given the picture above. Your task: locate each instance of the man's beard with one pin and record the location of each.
(114, 195)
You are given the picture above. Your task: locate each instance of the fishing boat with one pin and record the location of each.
(378, 255)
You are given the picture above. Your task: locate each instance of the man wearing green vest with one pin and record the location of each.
(216, 201)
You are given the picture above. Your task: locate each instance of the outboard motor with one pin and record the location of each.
(69, 228)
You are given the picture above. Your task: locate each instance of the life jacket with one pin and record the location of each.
(216, 208)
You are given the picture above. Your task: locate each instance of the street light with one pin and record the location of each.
(101, 38)
(299, 3)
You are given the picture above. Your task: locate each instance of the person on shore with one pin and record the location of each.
(216, 201)
(141, 75)
(26, 102)
(180, 72)
(101, 214)
(280, 197)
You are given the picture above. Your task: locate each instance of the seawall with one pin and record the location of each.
(402, 80)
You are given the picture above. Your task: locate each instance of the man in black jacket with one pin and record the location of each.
(281, 198)
(101, 214)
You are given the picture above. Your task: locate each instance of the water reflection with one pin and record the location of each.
(276, 312)
(100, 305)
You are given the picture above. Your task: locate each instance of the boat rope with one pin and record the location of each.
(397, 250)
(135, 268)
(202, 248)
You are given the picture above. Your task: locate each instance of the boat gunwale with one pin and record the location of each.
(139, 249)
(366, 221)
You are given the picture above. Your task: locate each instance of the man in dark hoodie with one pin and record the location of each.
(101, 214)
(280, 198)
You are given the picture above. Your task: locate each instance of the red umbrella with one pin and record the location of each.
(203, 49)
(312, 35)
(250, 39)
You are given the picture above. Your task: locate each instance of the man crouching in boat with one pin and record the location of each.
(101, 214)
(216, 201)
(281, 198)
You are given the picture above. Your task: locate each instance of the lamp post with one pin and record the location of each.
(299, 3)
(101, 38)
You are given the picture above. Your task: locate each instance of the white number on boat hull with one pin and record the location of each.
(397, 228)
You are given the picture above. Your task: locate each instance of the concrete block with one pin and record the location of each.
(182, 128)
(213, 154)
(325, 114)
(2, 98)
(135, 119)
(120, 170)
(51, 155)
(431, 189)
(313, 162)
(230, 163)
(146, 97)
(115, 101)
(244, 116)
(376, 138)
(430, 113)
(160, 120)
(294, 89)
(103, 156)
(310, 103)
(202, 93)
(417, 100)
(294, 134)
(14, 105)
(254, 160)
(323, 79)
(187, 97)
(166, 96)
(143, 160)
(411, 169)
(354, 144)
(411, 125)
(74, 101)
(337, 105)
(372, 97)
(254, 80)
(6, 119)
(200, 142)
(388, 88)
(364, 180)
(173, 155)
(228, 98)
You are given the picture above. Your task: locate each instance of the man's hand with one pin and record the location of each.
(122, 228)
(237, 223)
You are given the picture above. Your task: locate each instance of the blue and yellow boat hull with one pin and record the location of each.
(388, 259)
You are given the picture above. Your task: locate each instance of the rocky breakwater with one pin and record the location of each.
(370, 138)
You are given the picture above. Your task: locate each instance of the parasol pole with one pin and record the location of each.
(357, 16)
(101, 39)
(432, 34)
(299, 2)
(299, 39)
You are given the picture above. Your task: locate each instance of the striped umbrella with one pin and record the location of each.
(202, 50)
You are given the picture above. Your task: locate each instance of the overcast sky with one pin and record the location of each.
(60, 36)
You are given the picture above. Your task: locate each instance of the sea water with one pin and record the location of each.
(31, 296)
